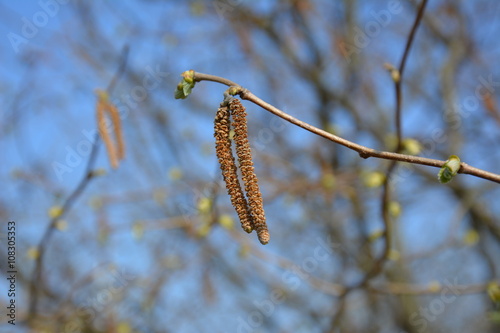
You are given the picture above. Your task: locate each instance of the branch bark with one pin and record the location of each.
(363, 151)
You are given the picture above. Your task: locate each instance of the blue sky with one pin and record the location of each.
(48, 88)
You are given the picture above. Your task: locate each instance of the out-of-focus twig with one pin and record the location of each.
(386, 193)
(401, 68)
(37, 280)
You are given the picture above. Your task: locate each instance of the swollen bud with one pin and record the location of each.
(184, 87)
(395, 75)
(188, 76)
(449, 169)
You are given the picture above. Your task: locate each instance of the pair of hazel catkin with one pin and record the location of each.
(250, 208)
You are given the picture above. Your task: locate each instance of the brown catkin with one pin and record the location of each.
(117, 125)
(116, 149)
(244, 153)
(228, 166)
(104, 133)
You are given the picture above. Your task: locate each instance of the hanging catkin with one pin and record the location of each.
(228, 167)
(244, 153)
(104, 133)
(116, 149)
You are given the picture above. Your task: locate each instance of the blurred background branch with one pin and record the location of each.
(153, 245)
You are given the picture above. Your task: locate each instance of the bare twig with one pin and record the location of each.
(363, 151)
(386, 193)
(37, 281)
(120, 71)
(401, 68)
(395, 288)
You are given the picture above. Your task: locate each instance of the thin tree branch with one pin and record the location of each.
(386, 193)
(401, 68)
(37, 281)
(120, 71)
(395, 288)
(363, 151)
